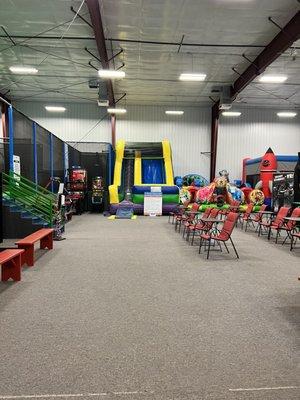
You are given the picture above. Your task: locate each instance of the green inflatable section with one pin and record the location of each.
(242, 208)
(167, 198)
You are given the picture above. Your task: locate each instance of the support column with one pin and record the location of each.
(35, 169)
(51, 160)
(3, 119)
(11, 138)
(113, 131)
(215, 113)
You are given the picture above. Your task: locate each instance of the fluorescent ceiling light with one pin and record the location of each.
(231, 113)
(55, 108)
(192, 77)
(116, 110)
(23, 70)
(111, 74)
(273, 78)
(174, 112)
(287, 114)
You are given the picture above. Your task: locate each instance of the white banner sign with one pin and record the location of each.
(152, 203)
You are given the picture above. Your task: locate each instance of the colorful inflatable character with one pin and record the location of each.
(194, 180)
(236, 193)
(256, 197)
(189, 185)
(185, 195)
(224, 173)
(204, 195)
(268, 167)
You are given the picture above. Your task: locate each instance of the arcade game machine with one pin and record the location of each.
(97, 195)
(77, 189)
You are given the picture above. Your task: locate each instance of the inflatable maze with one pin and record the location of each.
(138, 167)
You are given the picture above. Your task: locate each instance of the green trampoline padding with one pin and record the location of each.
(166, 198)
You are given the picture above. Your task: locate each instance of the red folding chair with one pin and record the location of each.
(289, 226)
(245, 218)
(189, 221)
(276, 223)
(191, 226)
(223, 236)
(187, 215)
(178, 210)
(294, 237)
(204, 226)
(257, 217)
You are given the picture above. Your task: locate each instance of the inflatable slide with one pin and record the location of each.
(138, 167)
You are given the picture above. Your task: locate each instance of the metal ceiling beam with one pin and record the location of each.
(4, 99)
(285, 39)
(154, 42)
(96, 20)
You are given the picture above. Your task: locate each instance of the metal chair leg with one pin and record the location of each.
(259, 230)
(234, 248)
(292, 241)
(287, 236)
(200, 245)
(269, 233)
(277, 234)
(209, 241)
(192, 244)
(226, 247)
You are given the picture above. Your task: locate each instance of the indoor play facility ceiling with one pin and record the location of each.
(160, 40)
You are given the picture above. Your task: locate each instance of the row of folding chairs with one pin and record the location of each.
(191, 224)
(273, 222)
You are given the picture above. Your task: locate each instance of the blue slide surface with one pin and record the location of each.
(152, 171)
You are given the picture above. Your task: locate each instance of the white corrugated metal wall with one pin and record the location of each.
(251, 134)
(73, 124)
(247, 136)
(189, 134)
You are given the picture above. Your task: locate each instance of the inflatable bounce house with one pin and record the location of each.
(221, 193)
(140, 167)
(268, 173)
(189, 185)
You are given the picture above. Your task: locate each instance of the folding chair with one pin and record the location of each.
(196, 223)
(187, 214)
(245, 218)
(223, 236)
(288, 227)
(257, 217)
(294, 237)
(276, 223)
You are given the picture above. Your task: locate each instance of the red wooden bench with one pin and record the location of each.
(45, 236)
(10, 261)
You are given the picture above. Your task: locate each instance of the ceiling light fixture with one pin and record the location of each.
(23, 70)
(111, 74)
(192, 77)
(231, 113)
(116, 110)
(286, 114)
(55, 108)
(273, 78)
(174, 112)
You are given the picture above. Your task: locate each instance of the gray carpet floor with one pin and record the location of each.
(127, 310)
